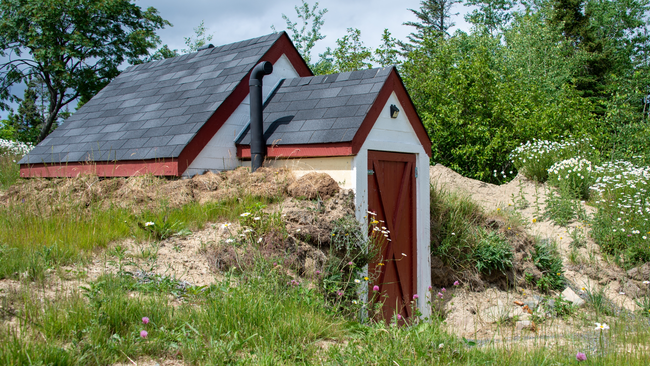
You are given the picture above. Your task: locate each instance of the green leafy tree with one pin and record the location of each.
(74, 46)
(490, 15)
(350, 54)
(387, 54)
(308, 33)
(200, 39)
(27, 123)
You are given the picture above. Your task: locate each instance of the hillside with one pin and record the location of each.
(271, 224)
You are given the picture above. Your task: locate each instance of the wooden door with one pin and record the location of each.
(391, 196)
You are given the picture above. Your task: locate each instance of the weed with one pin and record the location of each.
(493, 252)
(548, 260)
(563, 207)
(598, 301)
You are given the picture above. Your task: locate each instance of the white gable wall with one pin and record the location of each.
(397, 135)
(221, 153)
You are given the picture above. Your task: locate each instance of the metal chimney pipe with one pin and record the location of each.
(258, 144)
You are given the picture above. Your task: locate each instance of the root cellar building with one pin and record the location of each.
(191, 114)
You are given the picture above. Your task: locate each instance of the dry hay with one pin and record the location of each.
(49, 196)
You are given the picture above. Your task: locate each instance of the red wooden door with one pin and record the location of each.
(391, 195)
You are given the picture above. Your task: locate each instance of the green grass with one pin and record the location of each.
(261, 318)
(256, 318)
(33, 242)
(9, 170)
(455, 221)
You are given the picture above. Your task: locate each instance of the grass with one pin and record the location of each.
(32, 242)
(256, 315)
(257, 318)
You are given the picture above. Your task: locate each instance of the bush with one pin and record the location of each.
(493, 252)
(535, 158)
(454, 219)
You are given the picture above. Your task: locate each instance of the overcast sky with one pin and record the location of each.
(235, 20)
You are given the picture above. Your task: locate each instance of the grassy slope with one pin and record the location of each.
(248, 318)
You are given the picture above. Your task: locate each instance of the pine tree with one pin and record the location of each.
(433, 21)
(28, 121)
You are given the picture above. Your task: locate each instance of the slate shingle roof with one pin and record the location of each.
(320, 109)
(152, 110)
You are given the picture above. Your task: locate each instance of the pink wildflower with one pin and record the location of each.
(430, 288)
(415, 297)
(456, 283)
(440, 295)
(144, 334)
(399, 317)
(375, 288)
(581, 357)
(340, 293)
(443, 289)
(145, 320)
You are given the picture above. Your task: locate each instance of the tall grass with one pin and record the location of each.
(32, 242)
(261, 318)
(256, 318)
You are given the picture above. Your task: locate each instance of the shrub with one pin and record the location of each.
(493, 252)
(562, 207)
(454, 222)
(10, 153)
(535, 158)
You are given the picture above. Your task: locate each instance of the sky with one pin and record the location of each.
(237, 20)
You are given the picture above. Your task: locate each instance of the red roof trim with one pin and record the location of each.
(393, 84)
(300, 151)
(103, 169)
(282, 46)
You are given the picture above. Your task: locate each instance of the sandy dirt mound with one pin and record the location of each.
(527, 200)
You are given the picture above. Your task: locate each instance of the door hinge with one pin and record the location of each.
(416, 172)
(371, 172)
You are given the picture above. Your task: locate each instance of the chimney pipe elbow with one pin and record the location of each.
(263, 68)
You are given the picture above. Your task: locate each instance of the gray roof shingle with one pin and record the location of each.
(154, 109)
(320, 109)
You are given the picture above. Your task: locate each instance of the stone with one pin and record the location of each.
(524, 324)
(570, 295)
(532, 304)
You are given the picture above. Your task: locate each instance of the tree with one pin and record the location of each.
(199, 40)
(350, 54)
(27, 123)
(387, 53)
(434, 20)
(74, 46)
(492, 15)
(306, 36)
